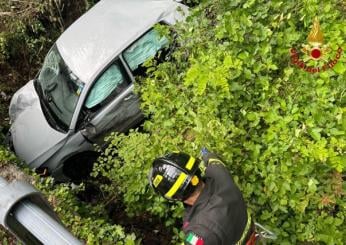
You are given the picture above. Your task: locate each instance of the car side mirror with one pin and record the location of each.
(88, 130)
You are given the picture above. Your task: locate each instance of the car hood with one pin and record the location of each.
(32, 136)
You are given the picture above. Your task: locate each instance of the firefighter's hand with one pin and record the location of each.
(210, 158)
(204, 153)
(206, 156)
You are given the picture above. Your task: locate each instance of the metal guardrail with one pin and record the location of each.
(25, 213)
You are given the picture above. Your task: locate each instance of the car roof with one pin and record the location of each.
(99, 35)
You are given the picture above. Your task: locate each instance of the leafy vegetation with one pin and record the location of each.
(27, 31)
(230, 86)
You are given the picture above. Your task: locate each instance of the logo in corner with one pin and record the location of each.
(315, 50)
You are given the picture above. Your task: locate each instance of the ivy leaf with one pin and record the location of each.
(335, 131)
(315, 133)
(252, 116)
(339, 68)
(312, 185)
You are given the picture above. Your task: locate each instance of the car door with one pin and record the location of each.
(111, 101)
(110, 105)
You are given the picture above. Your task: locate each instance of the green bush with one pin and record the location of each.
(27, 31)
(24, 35)
(232, 88)
(87, 222)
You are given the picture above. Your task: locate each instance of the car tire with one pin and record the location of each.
(79, 167)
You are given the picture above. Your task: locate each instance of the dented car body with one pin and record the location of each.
(85, 87)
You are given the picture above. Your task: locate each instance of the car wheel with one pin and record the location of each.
(79, 167)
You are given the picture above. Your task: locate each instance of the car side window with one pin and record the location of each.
(111, 83)
(144, 48)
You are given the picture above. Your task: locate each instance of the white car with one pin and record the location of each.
(85, 87)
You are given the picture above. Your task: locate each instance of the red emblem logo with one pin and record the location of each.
(315, 50)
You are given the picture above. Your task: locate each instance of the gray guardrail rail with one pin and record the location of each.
(26, 214)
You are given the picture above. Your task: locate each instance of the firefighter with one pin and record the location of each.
(215, 211)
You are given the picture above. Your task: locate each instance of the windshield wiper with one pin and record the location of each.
(40, 93)
(45, 108)
(50, 99)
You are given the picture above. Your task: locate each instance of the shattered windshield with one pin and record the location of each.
(60, 88)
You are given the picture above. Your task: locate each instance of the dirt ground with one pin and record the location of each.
(150, 229)
(11, 173)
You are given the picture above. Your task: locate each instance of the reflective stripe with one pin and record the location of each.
(190, 163)
(176, 185)
(215, 161)
(246, 230)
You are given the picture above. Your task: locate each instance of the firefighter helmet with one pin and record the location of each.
(175, 176)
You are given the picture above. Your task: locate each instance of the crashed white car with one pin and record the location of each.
(85, 87)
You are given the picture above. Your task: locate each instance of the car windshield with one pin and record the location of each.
(60, 88)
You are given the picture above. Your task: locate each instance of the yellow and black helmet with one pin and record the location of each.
(175, 175)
